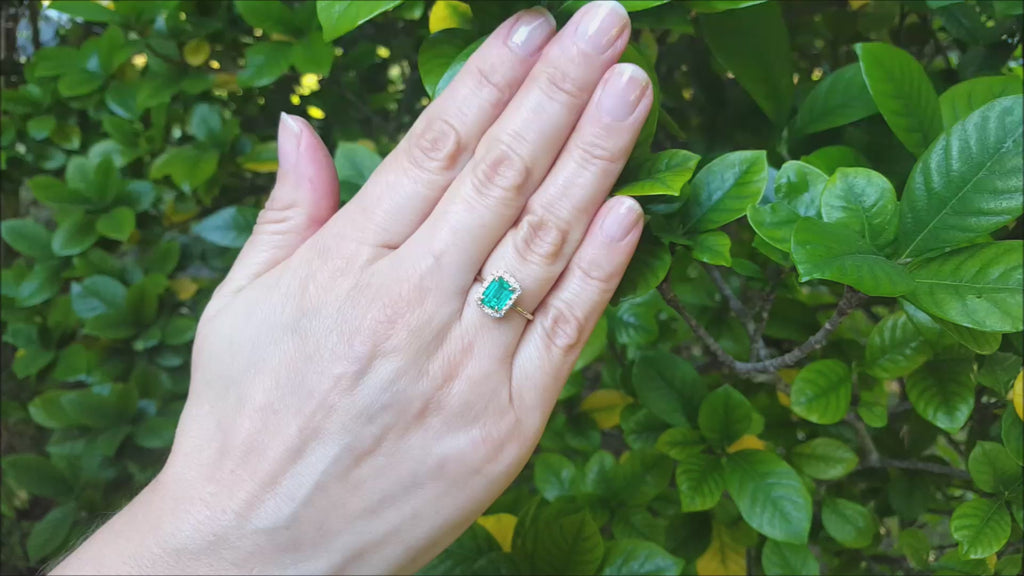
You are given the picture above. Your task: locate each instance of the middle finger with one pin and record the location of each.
(518, 150)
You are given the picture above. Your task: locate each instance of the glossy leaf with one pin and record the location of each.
(824, 459)
(895, 347)
(784, 559)
(713, 248)
(554, 475)
(753, 44)
(821, 392)
(864, 201)
(700, 479)
(993, 469)
(840, 98)
(669, 387)
(942, 392)
(903, 93)
(664, 173)
(722, 191)
(36, 475)
(27, 237)
(961, 99)
(354, 163)
(637, 557)
(49, 534)
(437, 53)
(117, 224)
(829, 251)
(981, 527)
(851, 524)
(769, 494)
(725, 415)
(338, 17)
(967, 184)
(228, 227)
(978, 286)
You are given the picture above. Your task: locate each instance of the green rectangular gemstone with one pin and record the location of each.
(498, 294)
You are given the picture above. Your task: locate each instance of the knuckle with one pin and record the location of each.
(598, 154)
(499, 176)
(276, 219)
(563, 327)
(560, 85)
(488, 86)
(539, 241)
(436, 148)
(596, 278)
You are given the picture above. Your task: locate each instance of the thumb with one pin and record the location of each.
(304, 197)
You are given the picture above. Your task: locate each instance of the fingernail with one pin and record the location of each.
(622, 92)
(532, 31)
(621, 216)
(601, 25)
(289, 135)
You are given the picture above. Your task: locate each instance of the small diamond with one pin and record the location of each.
(498, 294)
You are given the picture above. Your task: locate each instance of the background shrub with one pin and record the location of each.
(812, 366)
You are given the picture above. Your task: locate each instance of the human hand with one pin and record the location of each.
(351, 408)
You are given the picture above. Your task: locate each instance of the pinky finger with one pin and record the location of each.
(552, 342)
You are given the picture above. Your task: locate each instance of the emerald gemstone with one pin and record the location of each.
(498, 295)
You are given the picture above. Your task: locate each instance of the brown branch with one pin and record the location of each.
(735, 305)
(851, 300)
(920, 467)
(871, 455)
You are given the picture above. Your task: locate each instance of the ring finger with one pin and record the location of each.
(538, 247)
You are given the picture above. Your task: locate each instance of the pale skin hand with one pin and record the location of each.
(351, 409)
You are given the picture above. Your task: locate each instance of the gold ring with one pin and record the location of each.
(498, 294)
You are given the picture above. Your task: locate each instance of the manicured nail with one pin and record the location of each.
(622, 92)
(600, 26)
(532, 31)
(289, 135)
(622, 214)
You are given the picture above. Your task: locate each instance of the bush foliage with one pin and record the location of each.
(812, 365)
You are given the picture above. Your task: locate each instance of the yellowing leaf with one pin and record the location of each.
(225, 81)
(261, 167)
(1018, 395)
(196, 52)
(173, 216)
(783, 398)
(857, 4)
(449, 14)
(183, 288)
(501, 526)
(746, 442)
(604, 406)
(367, 143)
(788, 375)
(724, 556)
(991, 561)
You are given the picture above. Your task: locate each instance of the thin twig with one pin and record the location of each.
(920, 467)
(851, 300)
(735, 305)
(871, 455)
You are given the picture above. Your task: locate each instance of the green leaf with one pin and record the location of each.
(39, 127)
(840, 98)
(50, 190)
(228, 227)
(338, 17)
(74, 363)
(47, 410)
(102, 405)
(753, 44)
(895, 347)
(800, 185)
(155, 433)
(558, 539)
(722, 190)
(179, 330)
(725, 415)
(821, 392)
(28, 362)
(903, 93)
(634, 54)
(712, 6)
(74, 235)
(668, 386)
(41, 284)
(942, 392)
(664, 173)
(700, 479)
(638, 557)
(554, 475)
(270, 15)
(118, 224)
(643, 474)
(774, 223)
(437, 53)
(865, 202)
(456, 65)
(206, 123)
(829, 251)
(265, 62)
(36, 475)
(784, 559)
(646, 270)
(467, 555)
(97, 295)
(830, 158)
(88, 11)
(112, 325)
(960, 100)
(998, 372)
(978, 286)
(824, 459)
(967, 184)
(27, 237)
(143, 304)
(680, 442)
(713, 248)
(993, 469)
(188, 166)
(1012, 432)
(312, 55)
(49, 534)
(770, 495)
(981, 527)
(851, 524)
(163, 259)
(980, 342)
(354, 163)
